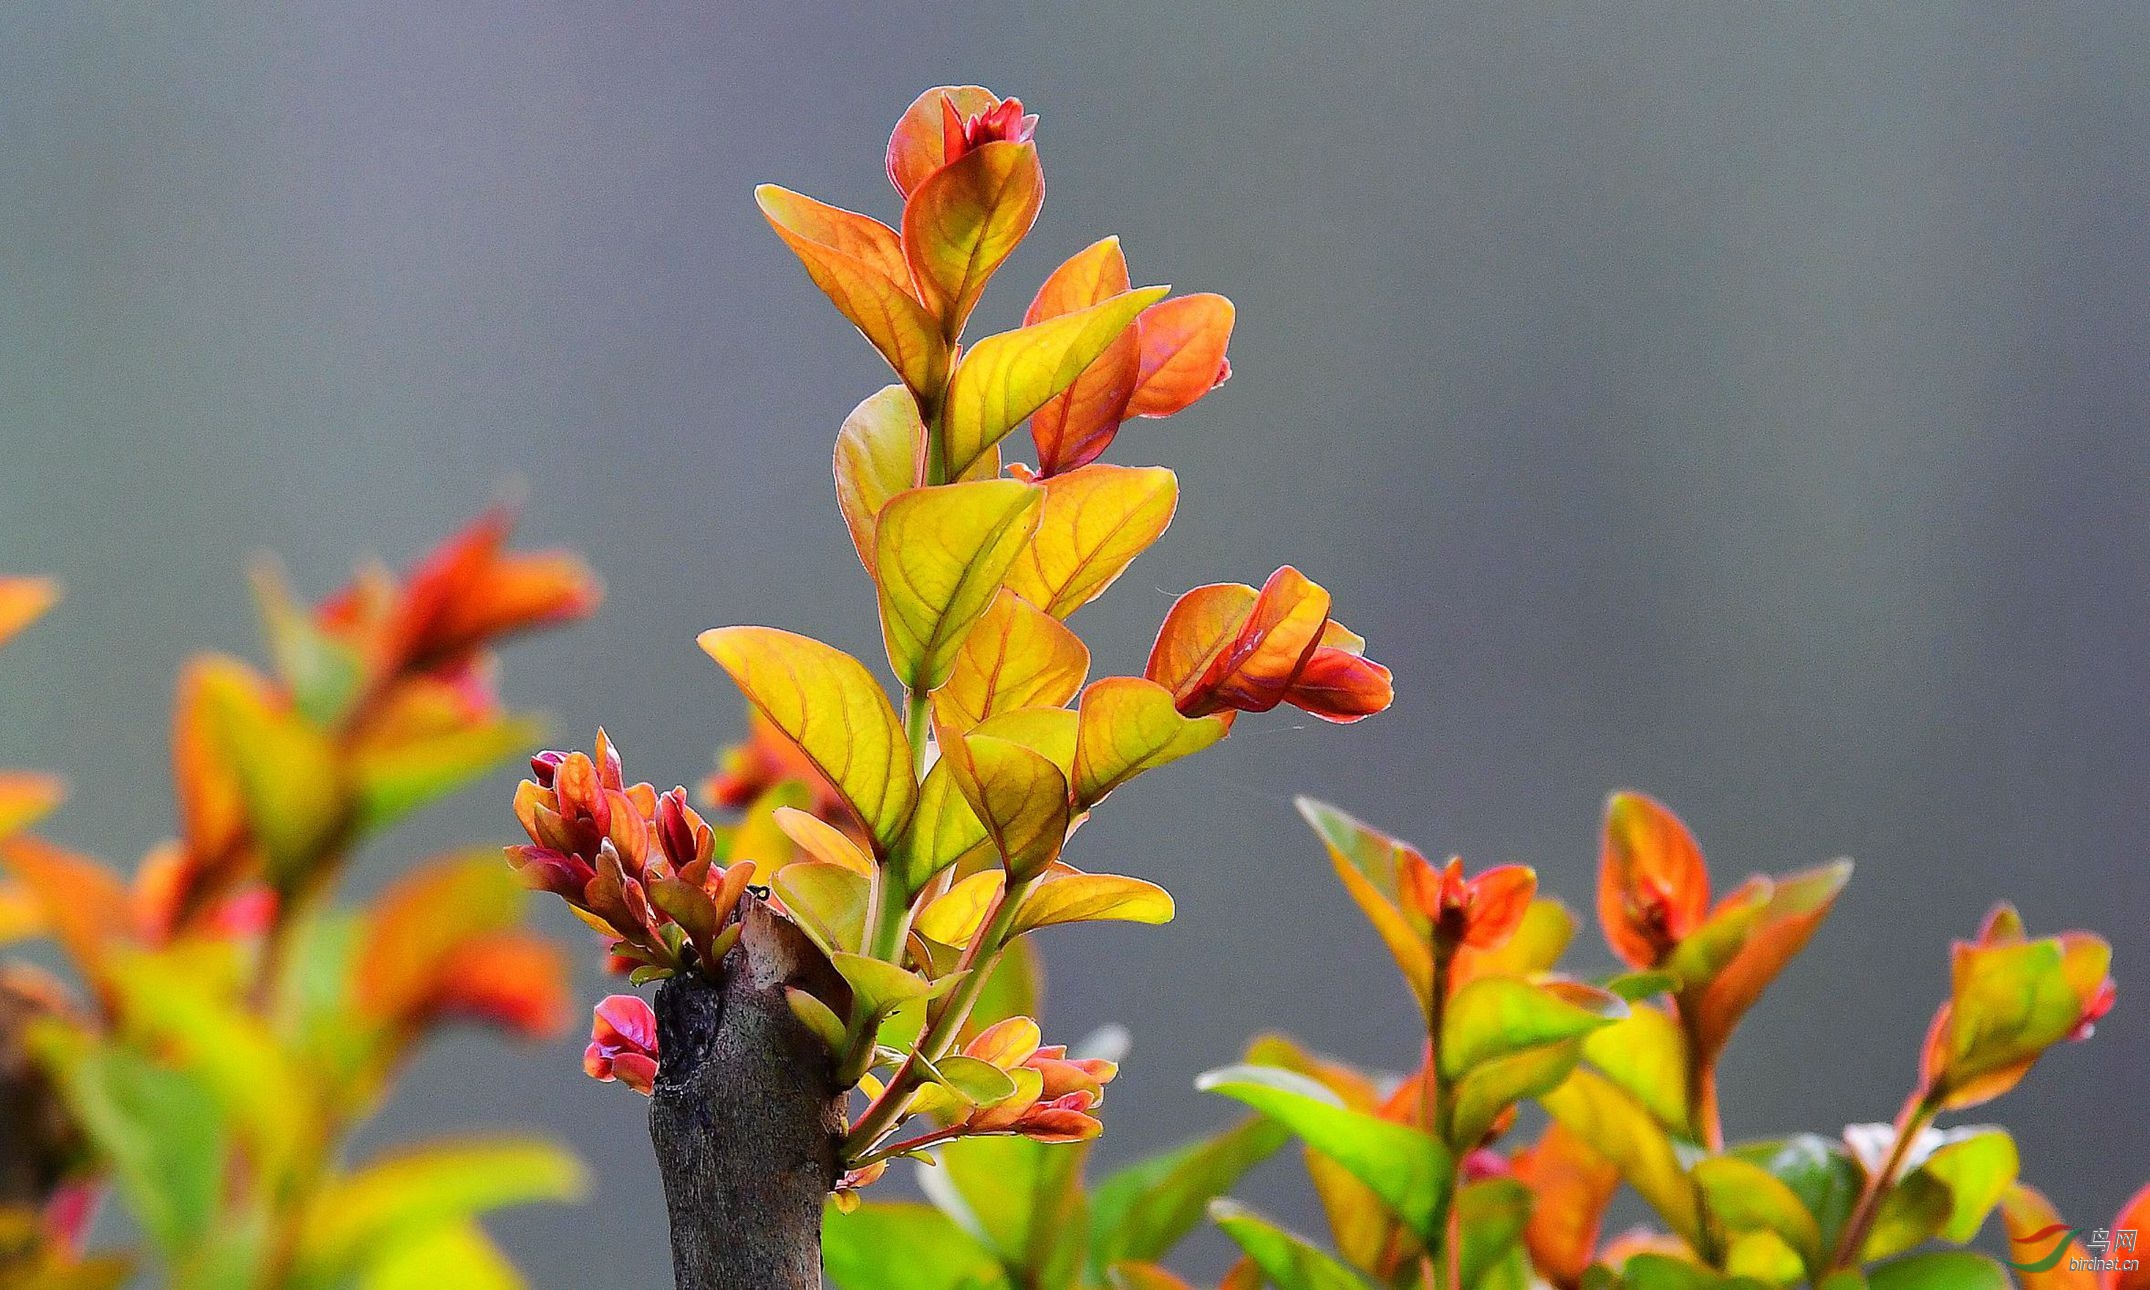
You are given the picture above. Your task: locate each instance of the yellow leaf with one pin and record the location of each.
(1128, 725)
(1019, 795)
(957, 916)
(1093, 898)
(821, 840)
(1016, 656)
(1619, 1129)
(826, 702)
(406, 1196)
(1096, 520)
(858, 264)
(828, 901)
(1048, 732)
(880, 452)
(1005, 378)
(941, 555)
(962, 222)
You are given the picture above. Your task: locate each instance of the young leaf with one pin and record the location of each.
(1619, 1129)
(1744, 1197)
(1079, 423)
(1096, 520)
(1941, 1270)
(1570, 1186)
(1646, 1054)
(918, 145)
(944, 830)
(877, 988)
(289, 776)
(1978, 1166)
(161, 1131)
(905, 1246)
(87, 907)
(1653, 888)
(1495, 1017)
(1490, 1216)
(1491, 1087)
(26, 798)
(1020, 1198)
(1796, 908)
(1005, 378)
(2034, 1230)
(1144, 1210)
(1287, 1260)
(1408, 1170)
(392, 778)
(405, 1195)
(816, 837)
(1183, 344)
(1142, 1276)
(961, 223)
(1367, 861)
(1016, 656)
(956, 916)
(1128, 725)
(858, 263)
(828, 901)
(880, 452)
(827, 703)
(942, 554)
(1069, 897)
(1017, 793)
(23, 601)
(454, 1254)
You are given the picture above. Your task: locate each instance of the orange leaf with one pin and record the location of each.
(87, 907)
(1078, 423)
(416, 929)
(962, 222)
(2134, 1217)
(857, 263)
(23, 601)
(1796, 908)
(1653, 888)
(918, 145)
(1095, 521)
(515, 981)
(27, 797)
(1341, 686)
(1183, 344)
(471, 591)
(1570, 1186)
(2032, 1222)
(1212, 659)
(1016, 656)
(1019, 795)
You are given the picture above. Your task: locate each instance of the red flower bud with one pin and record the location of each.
(623, 1043)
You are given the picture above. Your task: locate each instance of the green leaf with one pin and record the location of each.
(1498, 1016)
(398, 778)
(1019, 1197)
(1407, 1169)
(289, 774)
(1658, 1272)
(1285, 1259)
(1617, 1127)
(1745, 1197)
(942, 553)
(904, 1246)
(1144, 1210)
(877, 987)
(827, 703)
(1491, 1215)
(1492, 1087)
(1977, 1166)
(402, 1197)
(1819, 1171)
(161, 1130)
(944, 830)
(978, 1082)
(1005, 378)
(1942, 1270)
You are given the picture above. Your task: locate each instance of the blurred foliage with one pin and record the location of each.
(229, 1026)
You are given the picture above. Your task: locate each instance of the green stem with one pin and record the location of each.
(942, 1028)
(888, 917)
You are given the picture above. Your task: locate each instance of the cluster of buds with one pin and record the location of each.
(1227, 648)
(1008, 1080)
(637, 866)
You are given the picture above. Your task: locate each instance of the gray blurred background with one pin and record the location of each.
(1742, 403)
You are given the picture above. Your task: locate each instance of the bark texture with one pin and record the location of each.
(746, 1117)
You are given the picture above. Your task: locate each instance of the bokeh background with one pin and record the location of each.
(1743, 403)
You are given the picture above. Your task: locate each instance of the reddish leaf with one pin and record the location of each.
(1183, 344)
